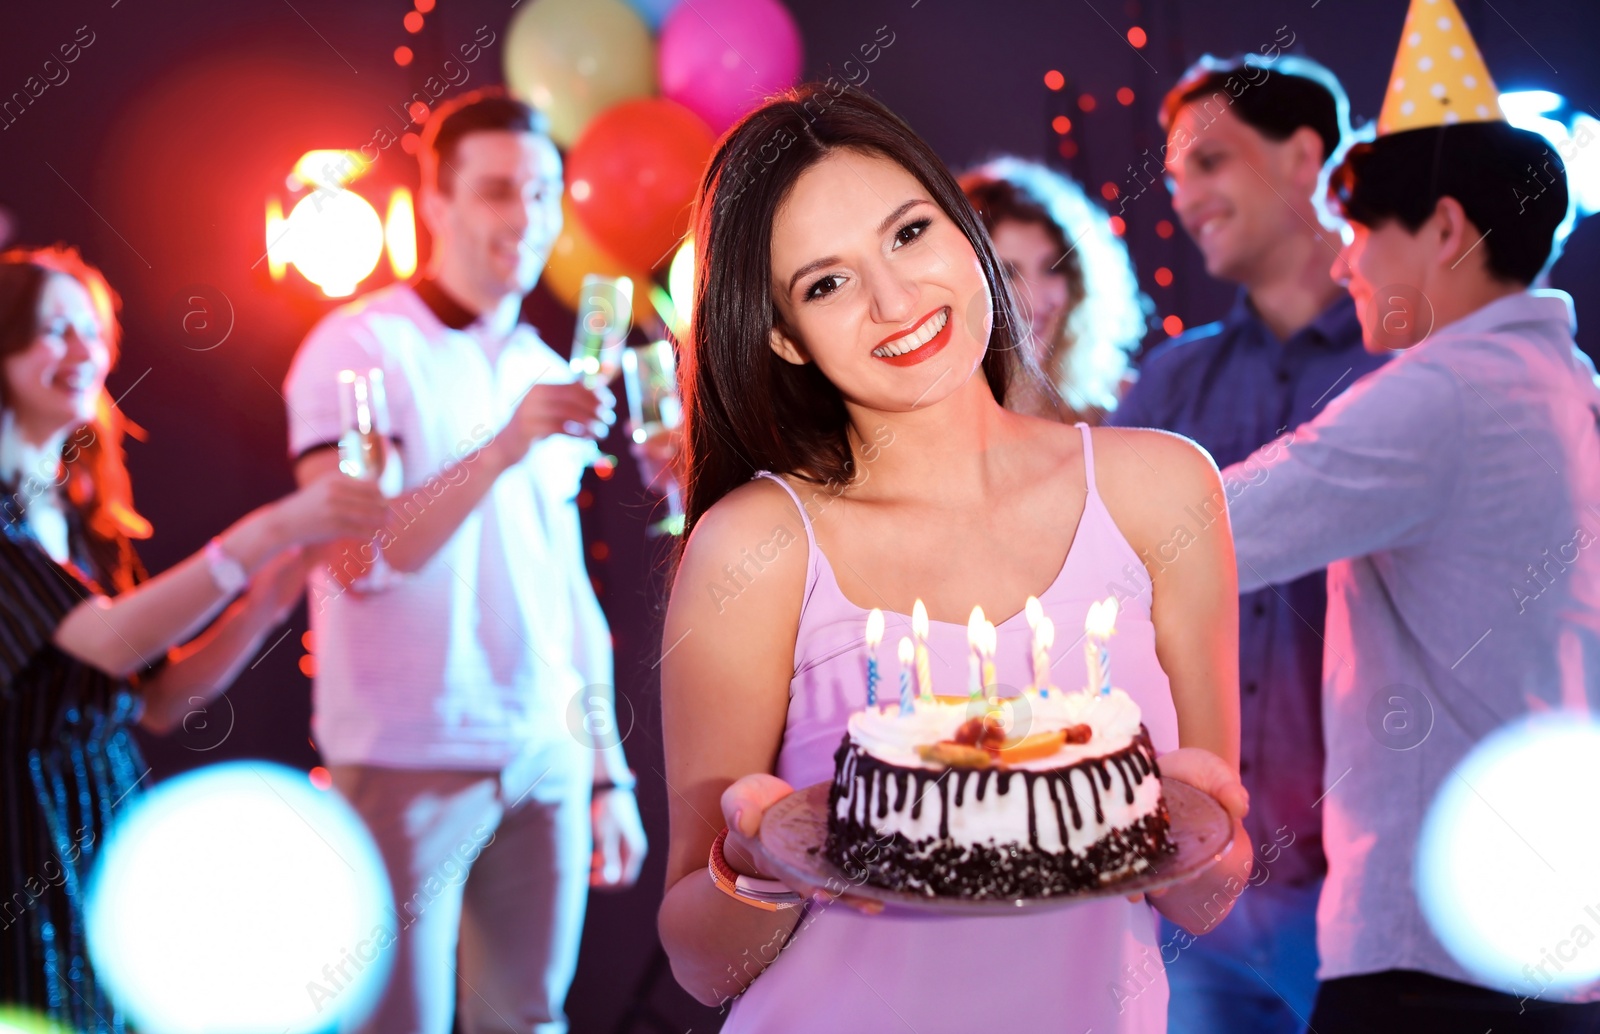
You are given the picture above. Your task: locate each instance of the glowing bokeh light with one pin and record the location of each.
(1534, 110)
(277, 231)
(680, 285)
(400, 233)
(335, 239)
(1505, 869)
(17, 1021)
(234, 898)
(329, 169)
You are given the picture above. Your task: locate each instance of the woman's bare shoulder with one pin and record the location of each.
(1153, 480)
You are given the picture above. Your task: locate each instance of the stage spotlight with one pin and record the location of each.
(400, 233)
(1505, 869)
(277, 231)
(239, 898)
(335, 239)
(328, 169)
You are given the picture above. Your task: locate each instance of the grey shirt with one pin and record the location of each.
(1454, 496)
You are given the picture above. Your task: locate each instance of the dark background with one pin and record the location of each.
(181, 116)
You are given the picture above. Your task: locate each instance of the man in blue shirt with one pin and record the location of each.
(1246, 145)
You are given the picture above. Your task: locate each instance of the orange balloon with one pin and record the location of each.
(633, 175)
(575, 256)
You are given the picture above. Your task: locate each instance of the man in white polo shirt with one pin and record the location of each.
(462, 700)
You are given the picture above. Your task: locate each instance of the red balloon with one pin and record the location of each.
(633, 174)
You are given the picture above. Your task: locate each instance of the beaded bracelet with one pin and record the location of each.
(770, 895)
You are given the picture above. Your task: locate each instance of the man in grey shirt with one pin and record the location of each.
(1454, 496)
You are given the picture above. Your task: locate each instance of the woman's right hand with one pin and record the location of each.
(743, 805)
(335, 506)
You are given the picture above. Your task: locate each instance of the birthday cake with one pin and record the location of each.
(940, 800)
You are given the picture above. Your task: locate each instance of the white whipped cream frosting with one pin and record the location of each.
(890, 736)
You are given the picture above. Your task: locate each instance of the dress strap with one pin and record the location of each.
(1088, 458)
(805, 518)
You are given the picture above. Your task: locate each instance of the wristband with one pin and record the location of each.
(228, 574)
(770, 895)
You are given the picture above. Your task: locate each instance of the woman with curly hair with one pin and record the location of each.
(1075, 283)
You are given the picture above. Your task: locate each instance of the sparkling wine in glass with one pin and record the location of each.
(649, 376)
(605, 315)
(363, 453)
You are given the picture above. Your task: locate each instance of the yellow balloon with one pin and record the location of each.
(575, 256)
(572, 59)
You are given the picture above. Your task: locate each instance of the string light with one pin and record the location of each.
(1136, 37)
(1054, 79)
(1172, 325)
(1164, 276)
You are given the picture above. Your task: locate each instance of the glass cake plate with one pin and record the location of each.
(793, 831)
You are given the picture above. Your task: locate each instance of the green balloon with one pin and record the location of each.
(573, 59)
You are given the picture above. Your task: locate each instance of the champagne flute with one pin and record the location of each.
(363, 453)
(649, 374)
(605, 315)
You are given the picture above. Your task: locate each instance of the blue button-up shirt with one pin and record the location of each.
(1454, 496)
(1233, 387)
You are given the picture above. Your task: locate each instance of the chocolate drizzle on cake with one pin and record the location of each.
(939, 866)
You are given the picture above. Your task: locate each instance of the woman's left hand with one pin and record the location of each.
(1203, 770)
(619, 840)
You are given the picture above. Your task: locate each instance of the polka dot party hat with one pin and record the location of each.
(1439, 77)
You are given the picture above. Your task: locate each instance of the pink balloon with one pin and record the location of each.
(720, 58)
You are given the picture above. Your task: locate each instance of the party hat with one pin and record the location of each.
(1439, 76)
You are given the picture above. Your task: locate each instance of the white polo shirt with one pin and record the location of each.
(471, 661)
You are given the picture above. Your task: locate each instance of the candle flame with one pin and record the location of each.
(875, 628)
(1046, 633)
(975, 623)
(907, 651)
(1034, 610)
(919, 619)
(991, 638)
(1102, 619)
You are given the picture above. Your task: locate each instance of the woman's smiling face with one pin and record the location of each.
(874, 283)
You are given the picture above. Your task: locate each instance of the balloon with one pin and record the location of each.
(575, 255)
(634, 173)
(720, 58)
(573, 59)
(654, 12)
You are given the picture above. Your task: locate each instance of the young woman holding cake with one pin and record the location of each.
(845, 450)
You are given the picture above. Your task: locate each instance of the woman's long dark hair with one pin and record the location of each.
(745, 408)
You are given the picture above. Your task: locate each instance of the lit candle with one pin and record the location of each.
(874, 637)
(975, 641)
(991, 640)
(1034, 610)
(1098, 627)
(907, 655)
(919, 628)
(1035, 613)
(1044, 637)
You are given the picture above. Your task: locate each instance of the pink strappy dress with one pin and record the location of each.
(1094, 966)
